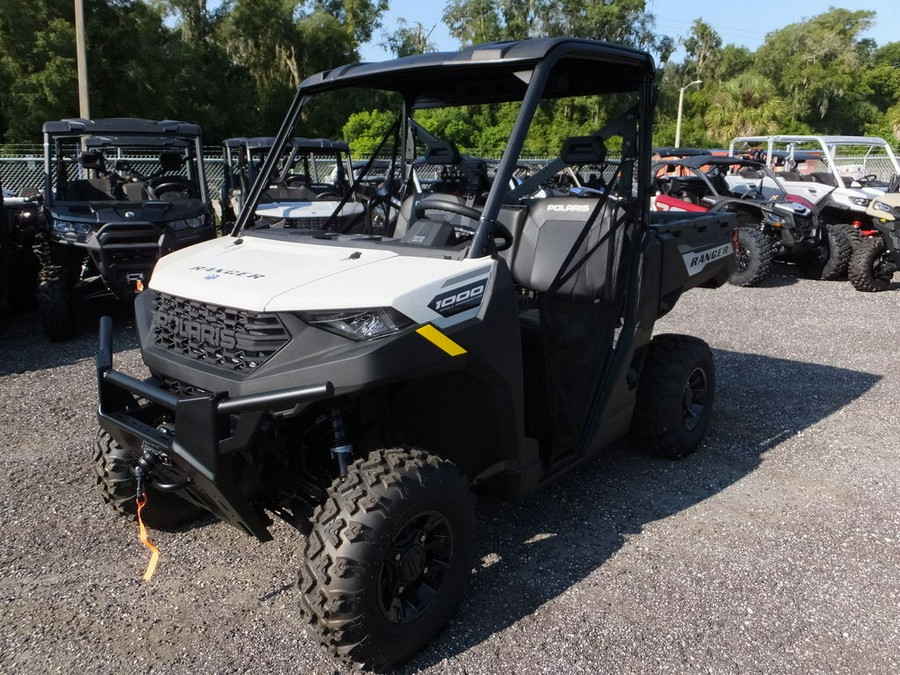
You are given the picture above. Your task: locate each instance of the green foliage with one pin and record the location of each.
(747, 105)
(818, 65)
(409, 39)
(233, 66)
(365, 130)
(624, 21)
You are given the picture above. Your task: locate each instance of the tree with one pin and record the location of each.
(365, 130)
(624, 21)
(818, 66)
(703, 47)
(279, 45)
(409, 39)
(128, 49)
(747, 105)
(474, 21)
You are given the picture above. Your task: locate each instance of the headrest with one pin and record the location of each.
(583, 150)
(442, 152)
(91, 159)
(171, 161)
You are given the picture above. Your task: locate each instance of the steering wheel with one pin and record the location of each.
(752, 193)
(179, 184)
(329, 195)
(297, 180)
(868, 178)
(506, 237)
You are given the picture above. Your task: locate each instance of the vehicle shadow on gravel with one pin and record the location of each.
(24, 347)
(531, 553)
(782, 274)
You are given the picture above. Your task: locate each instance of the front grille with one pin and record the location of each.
(312, 223)
(234, 339)
(183, 389)
(128, 256)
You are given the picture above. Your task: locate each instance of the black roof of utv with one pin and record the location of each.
(121, 126)
(496, 72)
(266, 142)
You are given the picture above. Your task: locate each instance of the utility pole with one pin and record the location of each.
(84, 105)
(680, 105)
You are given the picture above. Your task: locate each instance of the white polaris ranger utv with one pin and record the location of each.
(359, 385)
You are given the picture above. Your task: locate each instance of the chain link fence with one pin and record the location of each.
(22, 169)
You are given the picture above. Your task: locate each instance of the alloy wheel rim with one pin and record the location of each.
(415, 567)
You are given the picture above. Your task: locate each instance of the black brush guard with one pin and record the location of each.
(209, 430)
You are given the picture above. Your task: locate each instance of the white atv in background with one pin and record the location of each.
(838, 174)
(359, 385)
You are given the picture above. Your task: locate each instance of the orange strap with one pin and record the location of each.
(145, 540)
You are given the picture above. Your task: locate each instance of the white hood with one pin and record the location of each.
(271, 275)
(248, 275)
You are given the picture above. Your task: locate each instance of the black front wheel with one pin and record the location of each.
(871, 266)
(388, 557)
(56, 301)
(675, 396)
(755, 254)
(114, 475)
(827, 260)
(851, 232)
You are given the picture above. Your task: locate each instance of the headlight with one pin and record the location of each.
(67, 227)
(190, 223)
(860, 201)
(886, 208)
(773, 219)
(358, 324)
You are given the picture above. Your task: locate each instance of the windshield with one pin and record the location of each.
(93, 169)
(484, 136)
(848, 161)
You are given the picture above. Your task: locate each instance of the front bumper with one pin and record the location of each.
(209, 430)
(125, 253)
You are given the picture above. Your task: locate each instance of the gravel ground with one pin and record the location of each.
(774, 549)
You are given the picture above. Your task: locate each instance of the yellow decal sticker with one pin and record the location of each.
(437, 338)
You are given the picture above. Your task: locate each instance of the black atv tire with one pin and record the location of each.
(854, 236)
(755, 257)
(827, 262)
(23, 284)
(864, 271)
(55, 301)
(113, 471)
(56, 307)
(674, 397)
(388, 558)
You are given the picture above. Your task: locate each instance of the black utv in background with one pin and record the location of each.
(20, 220)
(772, 224)
(118, 194)
(359, 385)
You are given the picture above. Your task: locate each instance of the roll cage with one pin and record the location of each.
(529, 72)
(98, 156)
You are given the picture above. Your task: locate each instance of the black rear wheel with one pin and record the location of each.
(388, 557)
(675, 396)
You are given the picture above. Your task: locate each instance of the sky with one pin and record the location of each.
(741, 23)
